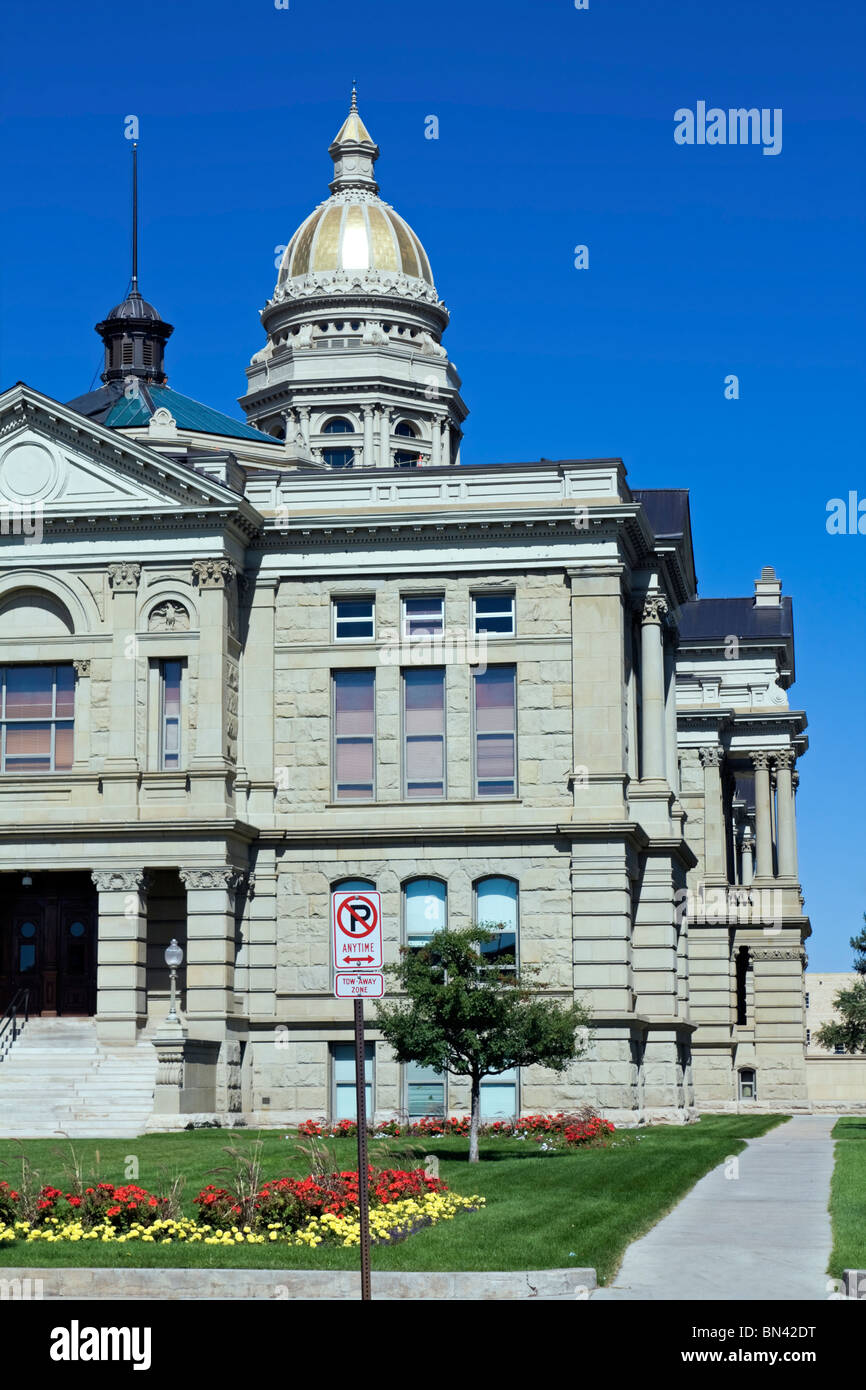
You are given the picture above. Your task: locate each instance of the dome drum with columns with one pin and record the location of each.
(354, 332)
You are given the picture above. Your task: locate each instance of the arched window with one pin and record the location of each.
(424, 909)
(406, 430)
(338, 425)
(496, 908)
(356, 885)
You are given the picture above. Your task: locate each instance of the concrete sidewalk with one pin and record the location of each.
(763, 1234)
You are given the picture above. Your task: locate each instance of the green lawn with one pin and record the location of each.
(848, 1196)
(544, 1210)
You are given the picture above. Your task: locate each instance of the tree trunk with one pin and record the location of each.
(475, 1116)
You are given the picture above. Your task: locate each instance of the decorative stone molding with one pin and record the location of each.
(784, 759)
(776, 953)
(711, 756)
(760, 761)
(169, 1063)
(654, 609)
(329, 284)
(124, 577)
(121, 880)
(168, 617)
(223, 877)
(82, 666)
(213, 574)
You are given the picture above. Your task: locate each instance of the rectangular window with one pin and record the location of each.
(499, 1096)
(354, 734)
(345, 1100)
(494, 614)
(808, 1035)
(424, 731)
(169, 714)
(37, 718)
(354, 619)
(495, 732)
(423, 617)
(807, 999)
(425, 1092)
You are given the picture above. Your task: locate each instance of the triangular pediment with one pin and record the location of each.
(77, 469)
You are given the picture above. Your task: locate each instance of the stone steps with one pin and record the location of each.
(58, 1079)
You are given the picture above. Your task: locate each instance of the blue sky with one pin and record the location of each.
(555, 129)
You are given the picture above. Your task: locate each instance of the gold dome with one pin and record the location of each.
(345, 234)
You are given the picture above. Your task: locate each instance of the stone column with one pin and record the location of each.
(81, 761)
(120, 780)
(121, 973)
(669, 637)
(653, 689)
(795, 782)
(369, 452)
(435, 442)
(747, 856)
(304, 418)
(218, 678)
(763, 832)
(714, 826)
(257, 678)
(787, 849)
(446, 442)
(211, 945)
(384, 438)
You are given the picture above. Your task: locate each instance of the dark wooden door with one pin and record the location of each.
(48, 946)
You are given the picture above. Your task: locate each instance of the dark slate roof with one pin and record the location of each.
(666, 508)
(110, 406)
(707, 618)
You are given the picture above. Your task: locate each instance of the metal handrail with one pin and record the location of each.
(9, 1025)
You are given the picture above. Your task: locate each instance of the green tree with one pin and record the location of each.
(851, 1004)
(475, 1014)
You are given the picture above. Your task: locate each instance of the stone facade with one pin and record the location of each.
(646, 833)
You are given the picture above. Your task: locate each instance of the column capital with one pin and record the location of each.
(223, 876)
(213, 574)
(785, 759)
(124, 577)
(760, 761)
(121, 880)
(711, 756)
(654, 608)
(82, 666)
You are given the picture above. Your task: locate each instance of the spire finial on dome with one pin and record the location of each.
(354, 152)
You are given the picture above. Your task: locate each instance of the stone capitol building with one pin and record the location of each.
(245, 665)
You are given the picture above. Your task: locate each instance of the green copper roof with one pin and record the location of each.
(190, 415)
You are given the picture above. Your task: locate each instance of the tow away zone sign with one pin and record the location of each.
(357, 986)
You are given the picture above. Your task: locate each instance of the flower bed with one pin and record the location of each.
(299, 1211)
(583, 1127)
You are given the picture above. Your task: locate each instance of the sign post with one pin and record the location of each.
(363, 1171)
(356, 922)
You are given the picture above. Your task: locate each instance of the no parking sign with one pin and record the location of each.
(357, 930)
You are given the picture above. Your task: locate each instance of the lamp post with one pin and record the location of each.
(173, 958)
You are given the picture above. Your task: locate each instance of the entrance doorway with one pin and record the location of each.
(48, 932)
